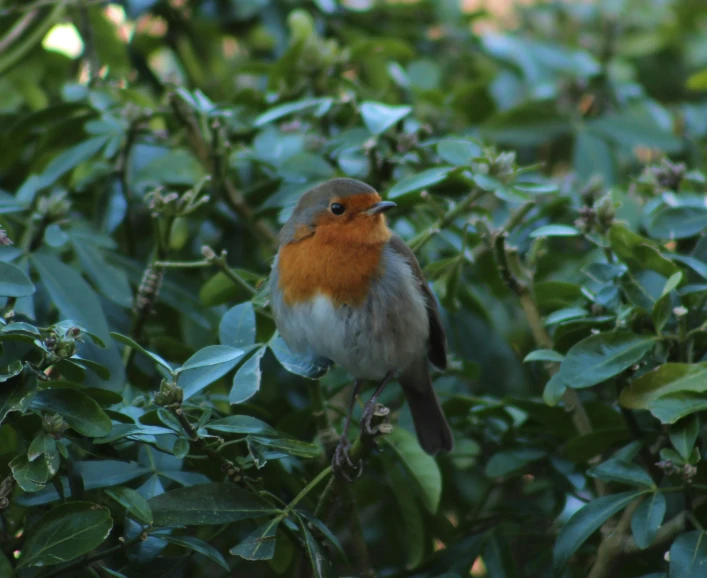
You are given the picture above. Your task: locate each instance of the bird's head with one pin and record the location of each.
(340, 210)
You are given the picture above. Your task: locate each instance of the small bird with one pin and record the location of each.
(344, 287)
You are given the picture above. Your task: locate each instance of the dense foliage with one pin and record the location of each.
(152, 421)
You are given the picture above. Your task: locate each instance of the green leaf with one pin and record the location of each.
(666, 379)
(198, 546)
(555, 231)
(206, 366)
(688, 555)
(237, 327)
(111, 281)
(647, 518)
(639, 253)
(683, 435)
(69, 159)
(17, 395)
(321, 567)
(132, 431)
(419, 181)
(133, 502)
(536, 188)
(623, 472)
(421, 467)
(246, 382)
(306, 366)
(71, 294)
(30, 476)
(631, 130)
(554, 390)
(212, 355)
(593, 156)
(207, 504)
(241, 424)
(288, 446)
(602, 356)
(15, 368)
(321, 104)
(380, 117)
(677, 222)
(585, 522)
(458, 152)
(81, 412)
(259, 544)
(43, 443)
(508, 462)
(136, 346)
(670, 408)
(13, 282)
(544, 355)
(66, 532)
(411, 517)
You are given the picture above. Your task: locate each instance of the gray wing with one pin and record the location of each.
(438, 340)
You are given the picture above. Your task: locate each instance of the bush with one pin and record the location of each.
(153, 422)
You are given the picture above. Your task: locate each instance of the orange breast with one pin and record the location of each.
(342, 271)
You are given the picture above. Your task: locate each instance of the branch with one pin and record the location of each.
(229, 192)
(542, 338)
(417, 242)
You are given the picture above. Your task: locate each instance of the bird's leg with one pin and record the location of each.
(370, 407)
(341, 454)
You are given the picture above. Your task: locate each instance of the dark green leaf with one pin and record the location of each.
(688, 555)
(130, 343)
(259, 544)
(421, 467)
(241, 424)
(206, 366)
(544, 355)
(683, 435)
(111, 281)
(237, 327)
(71, 294)
(411, 517)
(677, 222)
(70, 158)
(288, 446)
(508, 462)
(667, 379)
(321, 567)
(603, 356)
(306, 366)
(13, 282)
(419, 181)
(670, 408)
(30, 476)
(207, 504)
(380, 117)
(585, 522)
(623, 472)
(246, 382)
(555, 231)
(647, 518)
(133, 502)
(321, 104)
(639, 253)
(199, 546)
(65, 533)
(16, 395)
(458, 152)
(81, 412)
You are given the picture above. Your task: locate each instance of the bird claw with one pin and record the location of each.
(341, 461)
(371, 411)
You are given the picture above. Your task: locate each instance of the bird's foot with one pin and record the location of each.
(374, 416)
(342, 463)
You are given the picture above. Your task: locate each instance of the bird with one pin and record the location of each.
(347, 289)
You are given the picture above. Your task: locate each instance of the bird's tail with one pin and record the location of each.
(433, 431)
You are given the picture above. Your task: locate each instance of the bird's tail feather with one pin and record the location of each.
(433, 431)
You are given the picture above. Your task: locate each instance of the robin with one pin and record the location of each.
(346, 288)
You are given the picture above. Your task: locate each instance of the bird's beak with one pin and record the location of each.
(380, 207)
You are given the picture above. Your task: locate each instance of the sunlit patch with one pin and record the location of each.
(229, 46)
(478, 568)
(64, 39)
(124, 27)
(527, 478)
(438, 545)
(453, 520)
(358, 5)
(152, 26)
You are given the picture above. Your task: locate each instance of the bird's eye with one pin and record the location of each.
(337, 208)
